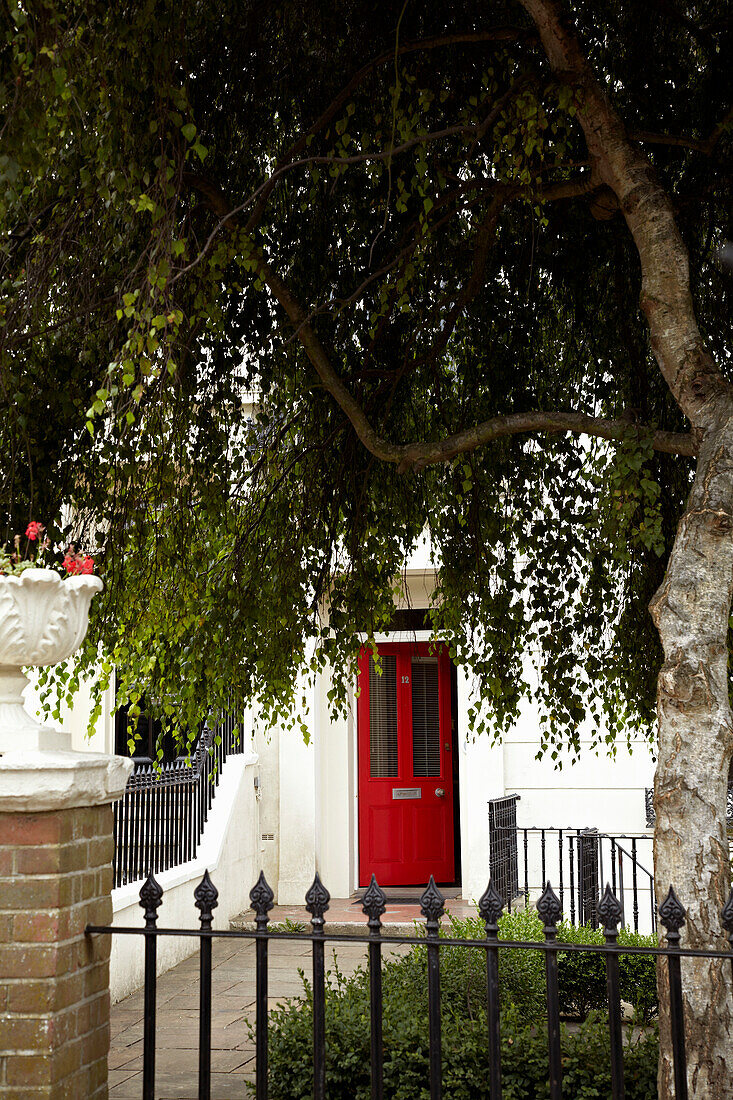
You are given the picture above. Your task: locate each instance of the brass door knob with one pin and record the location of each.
(440, 792)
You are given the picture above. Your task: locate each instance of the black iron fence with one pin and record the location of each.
(549, 908)
(503, 856)
(578, 861)
(159, 820)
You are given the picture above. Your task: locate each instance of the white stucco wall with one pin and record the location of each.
(336, 793)
(596, 791)
(599, 790)
(296, 801)
(229, 850)
(310, 791)
(481, 777)
(267, 746)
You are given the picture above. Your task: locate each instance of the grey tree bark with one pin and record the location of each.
(691, 611)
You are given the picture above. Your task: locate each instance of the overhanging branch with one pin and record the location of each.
(407, 456)
(491, 34)
(706, 146)
(424, 454)
(414, 456)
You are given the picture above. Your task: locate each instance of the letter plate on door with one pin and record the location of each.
(406, 792)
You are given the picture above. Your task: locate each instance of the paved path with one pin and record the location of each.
(232, 1054)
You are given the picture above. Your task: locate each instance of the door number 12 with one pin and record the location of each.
(405, 679)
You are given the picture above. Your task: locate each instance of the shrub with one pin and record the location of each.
(521, 973)
(582, 977)
(582, 983)
(463, 969)
(638, 976)
(586, 1055)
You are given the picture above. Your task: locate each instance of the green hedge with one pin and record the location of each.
(586, 1056)
(586, 1059)
(582, 977)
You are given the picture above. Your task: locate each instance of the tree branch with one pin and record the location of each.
(706, 146)
(493, 34)
(407, 456)
(194, 179)
(647, 137)
(484, 238)
(425, 454)
(417, 455)
(686, 365)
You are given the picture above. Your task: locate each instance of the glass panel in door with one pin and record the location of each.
(425, 717)
(383, 718)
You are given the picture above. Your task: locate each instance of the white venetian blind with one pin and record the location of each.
(425, 717)
(383, 718)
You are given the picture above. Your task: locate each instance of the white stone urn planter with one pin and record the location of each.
(43, 620)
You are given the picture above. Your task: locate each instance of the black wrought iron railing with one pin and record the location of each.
(503, 861)
(159, 820)
(549, 907)
(578, 861)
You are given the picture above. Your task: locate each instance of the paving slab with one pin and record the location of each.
(232, 1012)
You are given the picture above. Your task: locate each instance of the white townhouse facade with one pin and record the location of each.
(399, 786)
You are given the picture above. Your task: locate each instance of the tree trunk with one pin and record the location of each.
(695, 728)
(692, 608)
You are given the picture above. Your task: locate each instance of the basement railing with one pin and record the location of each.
(579, 861)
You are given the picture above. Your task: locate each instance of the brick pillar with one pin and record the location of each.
(55, 878)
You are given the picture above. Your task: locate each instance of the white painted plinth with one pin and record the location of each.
(33, 782)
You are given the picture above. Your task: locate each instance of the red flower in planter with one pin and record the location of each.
(77, 563)
(33, 530)
(70, 564)
(19, 556)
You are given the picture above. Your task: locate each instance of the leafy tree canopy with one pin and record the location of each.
(381, 222)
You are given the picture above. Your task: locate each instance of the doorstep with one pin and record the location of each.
(345, 917)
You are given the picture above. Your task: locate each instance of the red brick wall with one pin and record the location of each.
(55, 878)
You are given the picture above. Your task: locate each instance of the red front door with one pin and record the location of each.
(405, 769)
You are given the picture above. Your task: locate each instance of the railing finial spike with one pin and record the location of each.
(373, 904)
(609, 910)
(672, 914)
(151, 897)
(316, 902)
(206, 898)
(262, 900)
(432, 907)
(491, 906)
(549, 908)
